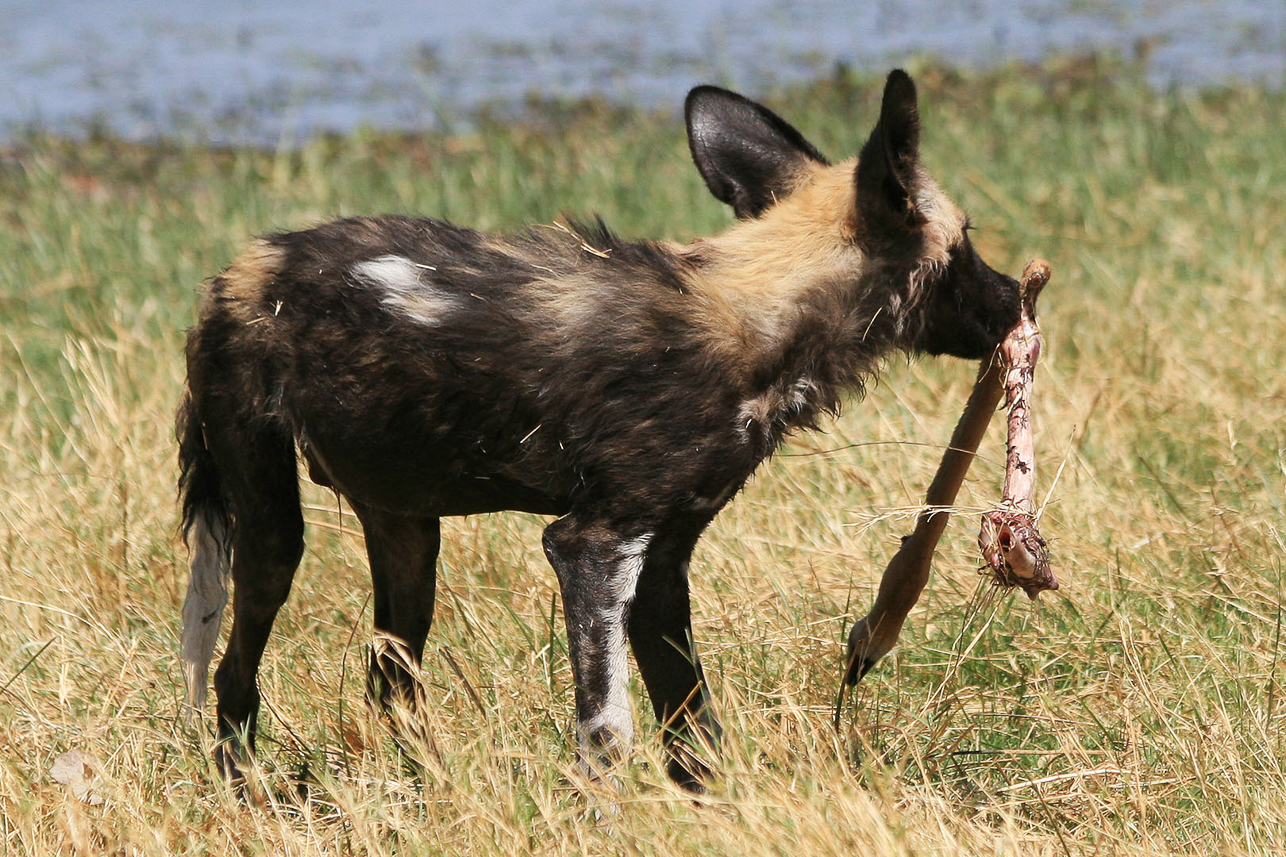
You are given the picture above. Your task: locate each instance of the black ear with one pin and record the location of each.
(889, 169)
(747, 154)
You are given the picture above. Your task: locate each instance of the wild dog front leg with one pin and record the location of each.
(598, 570)
(660, 629)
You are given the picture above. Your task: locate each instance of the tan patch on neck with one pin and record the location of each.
(759, 269)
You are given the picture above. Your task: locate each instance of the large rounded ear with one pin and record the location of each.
(888, 173)
(748, 155)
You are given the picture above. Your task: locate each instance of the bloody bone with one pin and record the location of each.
(1011, 545)
(1025, 561)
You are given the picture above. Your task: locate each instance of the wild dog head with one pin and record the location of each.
(910, 238)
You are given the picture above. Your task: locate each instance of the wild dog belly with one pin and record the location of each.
(413, 458)
(423, 476)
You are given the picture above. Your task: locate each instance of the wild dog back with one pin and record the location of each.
(464, 373)
(628, 387)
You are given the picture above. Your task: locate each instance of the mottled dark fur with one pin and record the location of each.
(629, 388)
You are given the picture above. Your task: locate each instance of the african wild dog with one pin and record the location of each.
(421, 369)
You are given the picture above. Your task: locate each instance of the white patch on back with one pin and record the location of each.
(405, 288)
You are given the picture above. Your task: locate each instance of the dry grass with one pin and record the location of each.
(1136, 711)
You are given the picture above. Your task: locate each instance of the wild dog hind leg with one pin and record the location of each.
(267, 544)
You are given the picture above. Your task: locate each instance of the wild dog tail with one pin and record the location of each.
(207, 530)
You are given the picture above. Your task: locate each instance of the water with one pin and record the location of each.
(243, 71)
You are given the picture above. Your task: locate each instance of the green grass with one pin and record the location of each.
(1137, 710)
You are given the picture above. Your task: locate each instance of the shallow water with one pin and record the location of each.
(244, 71)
